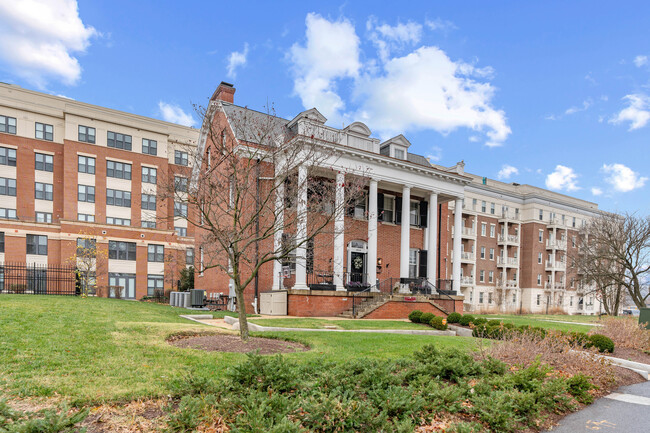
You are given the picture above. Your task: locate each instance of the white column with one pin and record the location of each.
(405, 233)
(339, 229)
(372, 233)
(432, 244)
(458, 230)
(277, 237)
(301, 230)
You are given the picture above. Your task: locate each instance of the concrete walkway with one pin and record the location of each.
(626, 410)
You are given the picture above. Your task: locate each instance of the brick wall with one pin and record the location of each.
(401, 310)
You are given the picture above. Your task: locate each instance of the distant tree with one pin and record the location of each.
(186, 280)
(88, 261)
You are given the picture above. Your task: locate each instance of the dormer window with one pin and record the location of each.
(399, 154)
(396, 147)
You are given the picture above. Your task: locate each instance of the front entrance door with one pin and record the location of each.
(358, 267)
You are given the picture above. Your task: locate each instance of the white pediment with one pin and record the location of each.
(358, 128)
(399, 140)
(311, 114)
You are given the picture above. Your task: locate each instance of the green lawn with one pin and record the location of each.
(342, 324)
(97, 350)
(546, 321)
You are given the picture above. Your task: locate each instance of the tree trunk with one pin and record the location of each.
(241, 310)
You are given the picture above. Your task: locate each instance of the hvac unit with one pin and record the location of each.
(197, 298)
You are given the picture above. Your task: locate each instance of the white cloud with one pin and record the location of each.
(440, 24)
(596, 191)
(585, 106)
(507, 171)
(175, 114)
(331, 51)
(38, 39)
(387, 37)
(637, 112)
(563, 178)
(640, 61)
(622, 178)
(436, 154)
(237, 59)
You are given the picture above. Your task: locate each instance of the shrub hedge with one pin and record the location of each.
(437, 323)
(600, 342)
(466, 319)
(414, 316)
(426, 317)
(454, 317)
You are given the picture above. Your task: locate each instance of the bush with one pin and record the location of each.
(601, 342)
(436, 323)
(626, 332)
(466, 319)
(480, 331)
(579, 387)
(494, 322)
(454, 318)
(479, 321)
(414, 316)
(426, 318)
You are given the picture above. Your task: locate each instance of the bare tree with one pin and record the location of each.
(614, 257)
(255, 181)
(88, 261)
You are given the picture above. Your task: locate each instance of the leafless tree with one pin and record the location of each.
(614, 256)
(88, 261)
(248, 190)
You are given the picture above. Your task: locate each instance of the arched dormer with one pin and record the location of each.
(358, 128)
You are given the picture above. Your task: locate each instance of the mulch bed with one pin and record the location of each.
(232, 343)
(631, 355)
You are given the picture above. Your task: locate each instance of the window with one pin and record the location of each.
(86, 193)
(573, 224)
(414, 213)
(86, 164)
(480, 297)
(86, 134)
(541, 215)
(413, 263)
(491, 276)
(2, 242)
(492, 208)
(86, 247)
(573, 241)
(118, 221)
(181, 231)
(121, 250)
(148, 224)
(118, 170)
(539, 258)
(154, 284)
(37, 244)
(149, 175)
(483, 208)
(86, 217)
(180, 158)
(514, 297)
(8, 124)
(8, 213)
(44, 132)
(389, 209)
(118, 141)
(539, 299)
(44, 162)
(541, 235)
(490, 298)
(7, 186)
(399, 154)
(116, 197)
(571, 301)
(539, 279)
(491, 253)
(43, 191)
(148, 202)
(492, 230)
(483, 229)
(156, 253)
(481, 276)
(180, 209)
(189, 256)
(150, 147)
(482, 252)
(180, 183)
(7, 156)
(43, 217)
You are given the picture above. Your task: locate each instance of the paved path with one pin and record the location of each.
(626, 410)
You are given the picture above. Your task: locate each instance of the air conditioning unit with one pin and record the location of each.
(197, 298)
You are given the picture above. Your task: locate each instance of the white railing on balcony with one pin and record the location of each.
(508, 284)
(470, 207)
(467, 281)
(559, 286)
(550, 265)
(556, 244)
(511, 261)
(469, 231)
(509, 215)
(465, 255)
(511, 239)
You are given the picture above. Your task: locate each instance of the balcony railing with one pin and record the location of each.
(464, 255)
(507, 261)
(509, 215)
(467, 232)
(466, 281)
(552, 265)
(507, 284)
(510, 239)
(555, 244)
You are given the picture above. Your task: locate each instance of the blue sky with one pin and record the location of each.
(554, 94)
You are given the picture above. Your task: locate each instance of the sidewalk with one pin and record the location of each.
(626, 410)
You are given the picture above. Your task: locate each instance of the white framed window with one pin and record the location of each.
(492, 230)
(541, 235)
(482, 252)
(491, 253)
(491, 276)
(514, 297)
(490, 298)
(483, 229)
(481, 276)
(480, 297)
(541, 215)
(399, 154)
(483, 208)
(539, 299)
(154, 284)
(539, 279)
(413, 263)
(492, 208)
(155, 253)
(539, 258)
(118, 221)
(414, 213)
(389, 209)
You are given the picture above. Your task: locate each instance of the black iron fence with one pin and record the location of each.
(21, 278)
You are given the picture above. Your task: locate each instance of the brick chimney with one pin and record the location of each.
(225, 92)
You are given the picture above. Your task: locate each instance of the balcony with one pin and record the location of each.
(556, 286)
(557, 222)
(509, 262)
(555, 244)
(469, 208)
(467, 232)
(555, 266)
(508, 284)
(466, 257)
(508, 240)
(508, 217)
(466, 281)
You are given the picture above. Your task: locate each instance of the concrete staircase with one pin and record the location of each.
(368, 305)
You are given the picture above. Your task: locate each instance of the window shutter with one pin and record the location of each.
(424, 213)
(380, 207)
(398, 210)
(422, 273)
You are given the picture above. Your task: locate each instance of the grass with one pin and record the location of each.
(105, 350)
(544, 321)
(342, 324)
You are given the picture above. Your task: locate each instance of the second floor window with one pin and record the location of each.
(86, 247)
(148, 202)
(43, 191)
(37, 244)
(86, 164)
(121, 250)
(118, 141)
(8, 213)
(7, 156)
(8, 124)
(44, 131)
(118, 170)
(156, 253)
(180, 209)
(7, 186)
(44, 162)
(149, 147)
(86, 134)
(86, 193)
(180, 158)
(149, 175)
(116, 197)
(43, 217)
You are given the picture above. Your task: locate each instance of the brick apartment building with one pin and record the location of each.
(88, 171)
